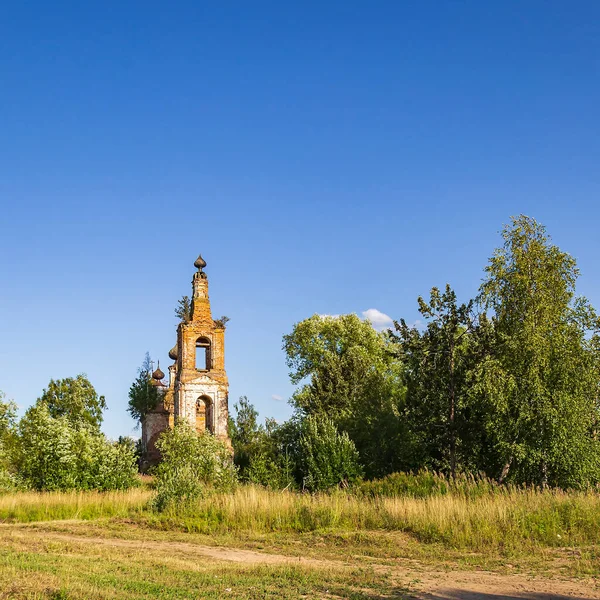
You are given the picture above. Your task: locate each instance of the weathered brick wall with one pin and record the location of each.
(201, 396)
(198, 395)
(153, 425)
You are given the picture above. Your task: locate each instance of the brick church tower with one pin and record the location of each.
(198, 387)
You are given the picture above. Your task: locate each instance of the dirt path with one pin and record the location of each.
(423, 582)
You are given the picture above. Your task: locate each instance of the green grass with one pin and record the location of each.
(25, 507)
(33, 567)
(508, 520)
(512, 519)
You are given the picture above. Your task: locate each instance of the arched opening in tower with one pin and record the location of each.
(204, 414)
(203, 354)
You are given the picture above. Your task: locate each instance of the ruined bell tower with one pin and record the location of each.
(200, 387)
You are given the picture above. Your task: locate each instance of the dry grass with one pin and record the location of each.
(511, 518)
(123, 549)
(44, 506)
(507, 519)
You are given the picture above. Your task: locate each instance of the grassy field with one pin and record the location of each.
(255, 543)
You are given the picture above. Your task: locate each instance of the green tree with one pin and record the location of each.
(245, 433)
(74, 398)
(8, 422)
(438, 362)
(264, 454)
(350, 374)
(328, 457)
(143, 396)
(541, 380)
(8, 416)
(193, 463)
(57, 453)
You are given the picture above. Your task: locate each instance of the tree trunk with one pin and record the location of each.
(505, 470)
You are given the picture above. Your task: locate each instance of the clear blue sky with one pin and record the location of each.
(325, 157)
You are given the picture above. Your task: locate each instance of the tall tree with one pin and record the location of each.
(8, 424)
(437, 363)
(74, 398)
(541, 382)
(350, 375)
(244, 432)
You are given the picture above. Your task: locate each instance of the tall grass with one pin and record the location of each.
(506, 518)
(496, 519)
(44, 506)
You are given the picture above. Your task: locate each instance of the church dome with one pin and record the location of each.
(158, 374)
(173, 352)
(200, 263)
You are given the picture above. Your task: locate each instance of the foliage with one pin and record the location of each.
(352, 377)
(507, 384)
(244, 433)
(425, 484)
(143, 396)
(8, 419)
(222, 321)
(541, 380)
(438, 362)
(193, 463)
(328, 457)
(74, 398)
(56, 453)
(184, 309)
(263, 453)
(8, 415)
(274, 462)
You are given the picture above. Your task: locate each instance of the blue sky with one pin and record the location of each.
(325, 157)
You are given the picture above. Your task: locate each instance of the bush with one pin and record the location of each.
(328, 458)
(55, 453)
(9, 482)
(270, 473)
(192, 464)
(424, 484)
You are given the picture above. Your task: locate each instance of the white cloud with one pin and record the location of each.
(378, 319)
(277, 397)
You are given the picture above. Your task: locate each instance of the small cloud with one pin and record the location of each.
(378, 319)
(418, 324)
(277, 397)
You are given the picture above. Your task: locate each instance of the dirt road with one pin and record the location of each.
(412, 579)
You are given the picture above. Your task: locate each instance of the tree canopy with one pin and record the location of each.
(74, 398)
(143, 396)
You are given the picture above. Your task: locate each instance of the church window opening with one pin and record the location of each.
(203, 354)
(204, 414)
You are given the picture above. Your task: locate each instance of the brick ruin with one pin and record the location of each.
(198, 388)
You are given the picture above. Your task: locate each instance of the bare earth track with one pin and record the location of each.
(424, 582)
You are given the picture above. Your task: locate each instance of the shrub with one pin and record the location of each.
(270, 473)
(424, 484)
(328, 458)
(192, 464)
(9, 482)
(55, 453)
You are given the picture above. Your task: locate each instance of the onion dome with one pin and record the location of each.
(173, 353)
(200, 263)
(158, 375)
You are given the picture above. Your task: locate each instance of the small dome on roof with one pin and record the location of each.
(173, 352)
(200, 263)
(158, 374)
